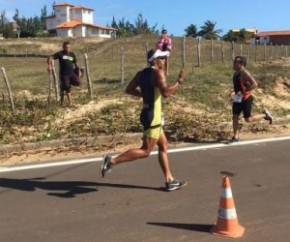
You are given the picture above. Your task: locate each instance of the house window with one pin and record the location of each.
(96, 31)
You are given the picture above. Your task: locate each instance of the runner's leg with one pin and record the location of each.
(236, 126)
(134, 154)
(163, 158)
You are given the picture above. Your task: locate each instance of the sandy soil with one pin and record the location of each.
(66, 153)
(78, 112)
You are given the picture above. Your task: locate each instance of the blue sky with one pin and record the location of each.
(175, 16)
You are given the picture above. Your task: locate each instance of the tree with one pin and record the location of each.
(191, 31)
(6, 28)
(238, 36)
(16, 18)
(43, 15)
(209, 31)
(231, 36)
(142, 26)
(114, 23)
(127, 29)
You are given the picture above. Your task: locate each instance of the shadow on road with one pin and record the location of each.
(126, 186)
(205, 228)
(63, 189)
(70, 188)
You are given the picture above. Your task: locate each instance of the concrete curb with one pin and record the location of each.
(90, 141)
(54, 144)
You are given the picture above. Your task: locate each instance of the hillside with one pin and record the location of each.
(199, 111)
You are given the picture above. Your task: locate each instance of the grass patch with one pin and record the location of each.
(199, 110)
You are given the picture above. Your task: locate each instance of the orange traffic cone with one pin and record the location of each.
(227, 222)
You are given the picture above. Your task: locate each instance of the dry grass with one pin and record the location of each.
(199, 110)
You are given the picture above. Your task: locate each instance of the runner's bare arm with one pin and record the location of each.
(132, 87)
(251, 83)
(165, 90)
(49, 63)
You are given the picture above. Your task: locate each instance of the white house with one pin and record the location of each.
(76, 21)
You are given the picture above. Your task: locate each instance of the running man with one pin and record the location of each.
(244, 83)
(70, 73)
(152, 84)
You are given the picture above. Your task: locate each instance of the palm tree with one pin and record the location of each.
(208, 30)
(191, 31)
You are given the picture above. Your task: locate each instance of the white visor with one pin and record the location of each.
(158, 53)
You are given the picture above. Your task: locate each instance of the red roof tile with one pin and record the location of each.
(72, 24)
(82, 7)
(273, 33)
(63, 5)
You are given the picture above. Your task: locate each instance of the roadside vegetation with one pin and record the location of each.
(199, 111)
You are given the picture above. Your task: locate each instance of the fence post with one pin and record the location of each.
(271, 51)
(198, 52)
(55, 82)
(256, 50)
(265, 52)
(89, 81)
(248, 52)
(122, 66)
(49, 90)
(233, 50)
(146, 51)
(183, 52)
(222, 50)
(241, 49)
(7, 83)
(212, 52)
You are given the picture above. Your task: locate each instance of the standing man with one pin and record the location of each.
(150, 84)
(70, 73)
(244, 83)
(164, 43)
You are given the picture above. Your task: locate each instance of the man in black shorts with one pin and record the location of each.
(70, 73)
(150, 85)
(244, 83)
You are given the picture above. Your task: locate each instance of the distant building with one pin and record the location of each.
(274, 37)
(248, 31)
(76, 21)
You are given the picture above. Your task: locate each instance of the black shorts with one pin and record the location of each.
(245, 106)
(66, 81)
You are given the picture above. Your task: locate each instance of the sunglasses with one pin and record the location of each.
(161, 58)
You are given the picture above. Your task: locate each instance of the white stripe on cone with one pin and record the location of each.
(227, 213)
(226, 193)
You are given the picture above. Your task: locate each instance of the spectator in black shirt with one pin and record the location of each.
(70, 73)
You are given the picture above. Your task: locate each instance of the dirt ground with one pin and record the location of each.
(63, 153)
(66, 153)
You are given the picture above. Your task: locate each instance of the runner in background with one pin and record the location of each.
(242, 98)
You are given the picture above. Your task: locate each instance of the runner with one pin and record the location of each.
(70, 73)
(244, 83)
(152, 84)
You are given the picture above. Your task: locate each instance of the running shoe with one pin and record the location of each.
(234, 140)
(106, 164)
(268, 117)
(174, 185)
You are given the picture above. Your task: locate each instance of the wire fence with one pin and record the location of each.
(118, 60)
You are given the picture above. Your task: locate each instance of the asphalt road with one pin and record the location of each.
(73, 203)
